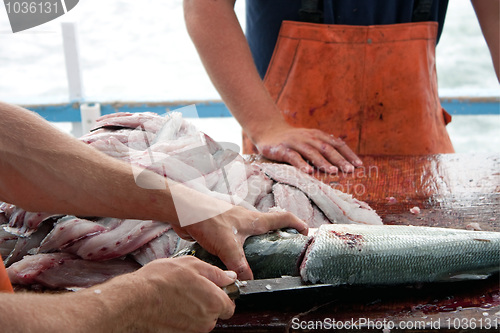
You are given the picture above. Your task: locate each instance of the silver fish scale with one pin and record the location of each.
(383, 255)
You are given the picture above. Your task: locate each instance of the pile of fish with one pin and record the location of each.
(67, 251)
(350, 246)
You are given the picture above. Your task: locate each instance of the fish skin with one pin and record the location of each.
(7, 242)
(25, 245)
(394, 254)
(270, 255)
(259, 185)
(276, 254)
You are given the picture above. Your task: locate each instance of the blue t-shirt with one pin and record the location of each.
(264, 19)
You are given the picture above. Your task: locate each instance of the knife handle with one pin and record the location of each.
(233, 290)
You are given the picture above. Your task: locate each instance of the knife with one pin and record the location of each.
(261, 286)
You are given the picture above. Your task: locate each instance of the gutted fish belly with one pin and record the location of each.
(265, 203)
(318, 218)
(386, 255)
(259, 185)
(125, 238)
(23, 223)
(294, 201)
(62, 270)
(67, 231)
(337, 206)
(163, 246)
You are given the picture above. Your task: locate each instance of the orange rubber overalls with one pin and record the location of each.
(375, 87)
(5, 285)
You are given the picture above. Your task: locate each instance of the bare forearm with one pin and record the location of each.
(488, 14)
(104, 308)
(45, 170)
(167, 295)
(224, 51)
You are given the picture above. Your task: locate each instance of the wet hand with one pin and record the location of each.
(225, 234)
(183, 295)
(303, 147)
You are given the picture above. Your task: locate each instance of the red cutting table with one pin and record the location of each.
(451, 191)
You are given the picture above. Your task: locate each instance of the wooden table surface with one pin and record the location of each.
(452, 191)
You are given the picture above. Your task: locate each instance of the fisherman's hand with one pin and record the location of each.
(225, 234)
(298, 146)
(182, 295)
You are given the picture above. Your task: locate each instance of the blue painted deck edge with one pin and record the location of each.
(71, 112)
(467, 107)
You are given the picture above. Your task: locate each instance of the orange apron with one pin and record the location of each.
(5, 285)
(373, 86)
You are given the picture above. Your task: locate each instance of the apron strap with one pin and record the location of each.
(311, 12)
(422, 10)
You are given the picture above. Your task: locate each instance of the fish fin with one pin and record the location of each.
(478, 274)
(469, 276)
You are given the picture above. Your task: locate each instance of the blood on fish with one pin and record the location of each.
(351, 240)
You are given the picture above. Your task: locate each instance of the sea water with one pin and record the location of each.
(140, 51)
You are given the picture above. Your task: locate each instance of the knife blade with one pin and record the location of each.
(285, 283)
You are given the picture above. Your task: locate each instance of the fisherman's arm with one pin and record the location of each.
(180, 295)
(43, 169)
(224, 51)
(488, 15)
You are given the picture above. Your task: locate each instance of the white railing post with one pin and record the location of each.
(75, 82)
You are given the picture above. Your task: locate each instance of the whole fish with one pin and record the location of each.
(392, 254)
(352, 254)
